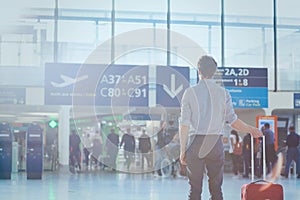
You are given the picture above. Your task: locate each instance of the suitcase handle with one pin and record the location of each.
(261, 180)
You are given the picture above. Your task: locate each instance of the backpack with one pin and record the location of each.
(238, 148)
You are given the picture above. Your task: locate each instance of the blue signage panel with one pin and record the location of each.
(99, 85)
(12, 95)
(171, 83)
(123, 86)
(249, 97)
(248, 86)
(296, 100)
(59, 81)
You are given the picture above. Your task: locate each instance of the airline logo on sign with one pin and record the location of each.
(68, 81)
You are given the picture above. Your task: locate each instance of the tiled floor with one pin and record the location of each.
(105, 185)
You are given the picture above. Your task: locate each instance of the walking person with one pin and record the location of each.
(112, 148)
(97, 149)
(75, 153)
(292, 142)
(237, 152)
(247, 149)
(271, 156)
(128, 141)
(207, 107)
(87, 147)
(145, 149)
(160, 146)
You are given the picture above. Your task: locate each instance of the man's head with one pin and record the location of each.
(292, 128)
(267, 125)
(207, 66)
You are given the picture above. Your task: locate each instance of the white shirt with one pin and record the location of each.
(207, 107)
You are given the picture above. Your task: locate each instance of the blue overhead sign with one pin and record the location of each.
(171, 83)
(248, 86)
(99, 85)
(12, 95)
(296, 100)
(124, 85)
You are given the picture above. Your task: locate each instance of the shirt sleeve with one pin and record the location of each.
(185, 118)
(230, 115)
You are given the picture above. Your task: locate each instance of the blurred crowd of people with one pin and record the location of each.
(240, 153)
(140, 151)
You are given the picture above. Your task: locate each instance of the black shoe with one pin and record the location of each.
(298, 176)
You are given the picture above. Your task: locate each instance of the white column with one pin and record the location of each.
(63, 135)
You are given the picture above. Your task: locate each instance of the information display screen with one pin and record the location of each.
(248, 86)
(296, 100)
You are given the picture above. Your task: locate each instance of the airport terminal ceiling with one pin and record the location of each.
(33, 39)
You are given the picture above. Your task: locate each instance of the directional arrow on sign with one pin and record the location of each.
(173, 92)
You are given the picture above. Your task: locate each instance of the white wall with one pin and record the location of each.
(35, 96)
(280, 100)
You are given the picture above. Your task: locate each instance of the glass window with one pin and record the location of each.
(288, 40)
(198, 21)
(85, 5)
(131, 16)
(249, 35)
(79, 37)
(19, 50)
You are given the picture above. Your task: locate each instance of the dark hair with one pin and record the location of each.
(234, 132)
(292, 128)
(207, 66)
(267, 125)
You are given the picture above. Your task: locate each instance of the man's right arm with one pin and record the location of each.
(243, 127)
(236, 123)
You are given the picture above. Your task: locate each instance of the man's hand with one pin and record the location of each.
(182, 158)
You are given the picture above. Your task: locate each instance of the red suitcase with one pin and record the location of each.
(262, 191)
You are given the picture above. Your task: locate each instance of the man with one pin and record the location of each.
(112, 145)
(87, 146)
(271, 157)
(97, 149)
(74, 141)
(292, 142)
(206, 107)
(145, 148)
(128, 141)
(160, 153)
